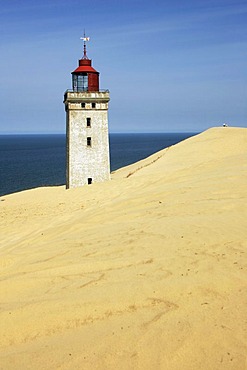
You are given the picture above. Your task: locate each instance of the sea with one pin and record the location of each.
(30, 161)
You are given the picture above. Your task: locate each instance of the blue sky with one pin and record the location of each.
(170, 65)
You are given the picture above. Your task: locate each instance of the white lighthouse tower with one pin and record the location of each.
(87, 139)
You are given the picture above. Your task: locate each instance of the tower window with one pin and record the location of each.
(89, 141)
(83, 105)
(89, 181)
(88, 122)
(93, 105)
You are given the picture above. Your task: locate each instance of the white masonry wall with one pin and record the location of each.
(87, 162)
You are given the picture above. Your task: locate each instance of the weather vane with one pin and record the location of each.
(84, 38)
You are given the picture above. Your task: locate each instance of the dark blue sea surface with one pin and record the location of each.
(29, 161)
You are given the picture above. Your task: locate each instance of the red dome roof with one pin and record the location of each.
(84, 69)
(85, 66)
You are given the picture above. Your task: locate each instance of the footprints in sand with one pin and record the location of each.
(159, 306)
(93, 281)
(82, 279)
(152, 308)
(156, 273)
(145, 165)
(165, 305)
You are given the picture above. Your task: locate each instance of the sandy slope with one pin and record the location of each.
(147, 271)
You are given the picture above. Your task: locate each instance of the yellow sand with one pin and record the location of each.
(147, 271)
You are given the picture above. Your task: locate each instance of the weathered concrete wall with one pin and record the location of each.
(87, 161)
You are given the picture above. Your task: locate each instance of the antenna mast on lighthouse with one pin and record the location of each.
(84, 38)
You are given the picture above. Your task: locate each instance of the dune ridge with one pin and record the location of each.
(147, 271)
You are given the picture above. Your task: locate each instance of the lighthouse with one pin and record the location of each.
(87, 139)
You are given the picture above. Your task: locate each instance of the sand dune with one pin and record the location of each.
(147, 271)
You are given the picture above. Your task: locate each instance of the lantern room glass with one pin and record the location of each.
(80, 82)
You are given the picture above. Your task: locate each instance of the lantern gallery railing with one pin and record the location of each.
(101, 90)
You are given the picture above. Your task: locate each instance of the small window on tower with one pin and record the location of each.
(89, 141)
(93, 105)
(83, 105)
(88, 122)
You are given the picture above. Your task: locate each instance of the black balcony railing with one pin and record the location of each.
(101, 90)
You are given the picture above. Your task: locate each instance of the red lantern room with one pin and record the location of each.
(85, 77)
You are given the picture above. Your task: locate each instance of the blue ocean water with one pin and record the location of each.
(29, 161)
